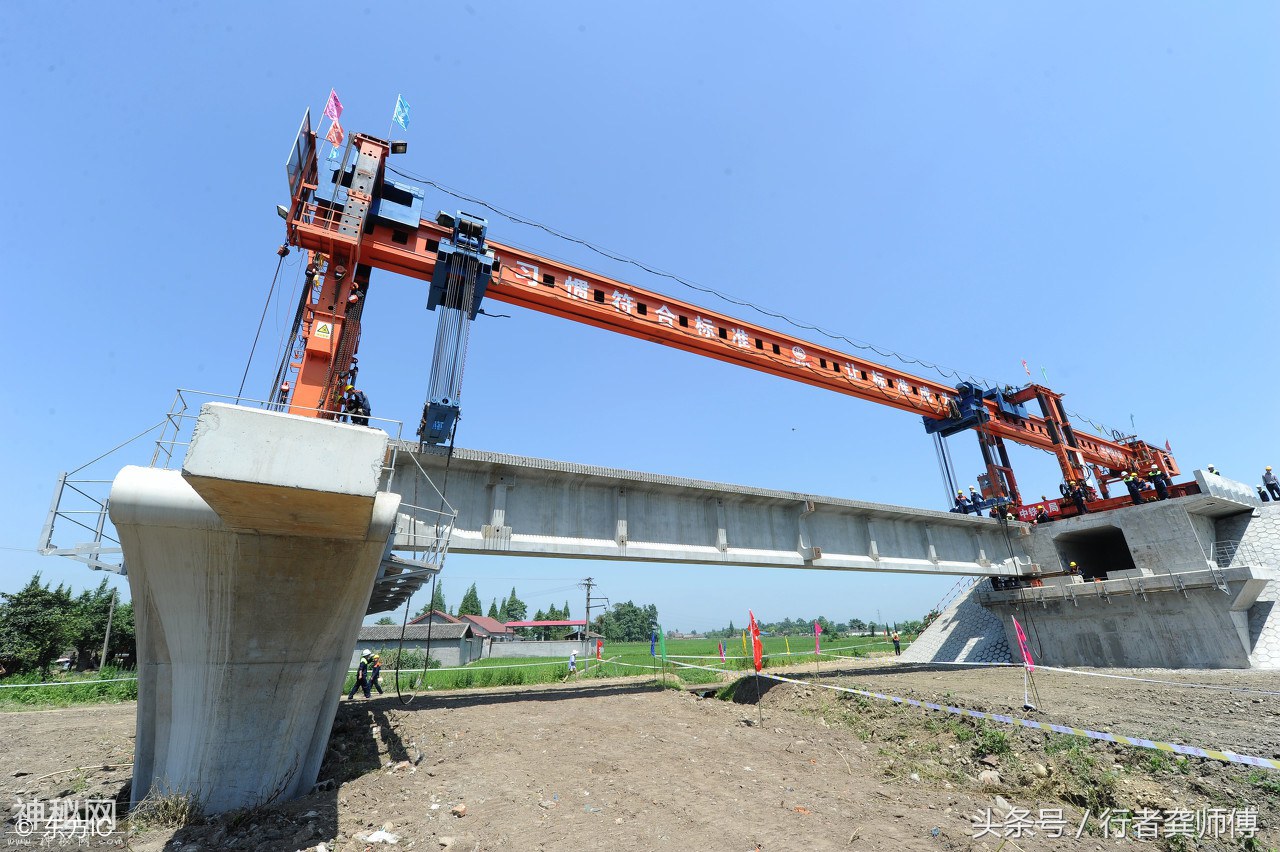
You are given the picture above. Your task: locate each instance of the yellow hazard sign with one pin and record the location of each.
(324, 330)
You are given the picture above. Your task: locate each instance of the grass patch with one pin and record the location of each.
(1267, 782)
(988, 739)
(67, 690)
(172, 810)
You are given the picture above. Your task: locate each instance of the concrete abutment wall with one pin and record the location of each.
(1165, 603)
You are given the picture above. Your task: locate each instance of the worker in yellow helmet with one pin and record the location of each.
(375, 672)
(1269, 480)
(356, 405)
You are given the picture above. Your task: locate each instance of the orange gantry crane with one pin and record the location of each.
(351, 216)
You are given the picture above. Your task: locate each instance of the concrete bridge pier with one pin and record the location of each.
(250, 572)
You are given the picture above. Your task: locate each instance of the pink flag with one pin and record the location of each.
(756, 649)
(336, 134)
(817, 633)
(1167, 448)
(1025, 367)
(720, 648)
(333, 106)
(1022, 646)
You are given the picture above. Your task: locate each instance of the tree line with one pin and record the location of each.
(39, 625)
(623, 622)
(832, 629)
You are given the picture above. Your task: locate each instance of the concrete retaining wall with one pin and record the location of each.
(965, 633)
(555, 648)
(451, 652)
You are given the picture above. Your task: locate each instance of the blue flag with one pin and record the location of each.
(333, 153)
(401, 114)
(653, 641)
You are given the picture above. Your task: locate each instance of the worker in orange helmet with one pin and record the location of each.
(1269, 480)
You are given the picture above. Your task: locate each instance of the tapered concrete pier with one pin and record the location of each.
(250, 572)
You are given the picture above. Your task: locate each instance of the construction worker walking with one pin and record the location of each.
(375, 672)
(897, 644)
(362, 677)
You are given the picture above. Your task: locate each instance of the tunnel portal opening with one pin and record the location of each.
(1096, 551)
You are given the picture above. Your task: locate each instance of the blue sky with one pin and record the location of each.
(1093, 188)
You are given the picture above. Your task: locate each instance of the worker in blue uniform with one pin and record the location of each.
(1160, 481)
(1077, 497)
(1135, 489)
(357, 406)
(362, 677)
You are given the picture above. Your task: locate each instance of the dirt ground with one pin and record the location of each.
(626, 764)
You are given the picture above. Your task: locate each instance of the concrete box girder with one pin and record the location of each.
(514, 505)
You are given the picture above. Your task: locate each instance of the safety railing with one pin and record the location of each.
(83, 503)
(961, 586)
(325, 216)
(80, 509)
(175, 435)
(1227, 554)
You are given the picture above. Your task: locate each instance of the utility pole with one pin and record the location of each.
(107, 639)
(586, 624)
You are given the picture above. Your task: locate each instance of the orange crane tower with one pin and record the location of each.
(351, 217)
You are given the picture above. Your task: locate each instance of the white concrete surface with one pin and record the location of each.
(518, 506)
(248, 594)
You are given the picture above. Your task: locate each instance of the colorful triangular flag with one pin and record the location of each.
(756, 649)
(333, 106)
(1022, 646)
(401, 114)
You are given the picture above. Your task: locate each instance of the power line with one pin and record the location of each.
(945, 372)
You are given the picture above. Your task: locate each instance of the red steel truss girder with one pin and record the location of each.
(607, 303)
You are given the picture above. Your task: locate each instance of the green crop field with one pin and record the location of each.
(632, 659)
(67, 689)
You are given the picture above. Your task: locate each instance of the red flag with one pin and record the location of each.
(817, 632)
(599, 648)
(1167, 448)
(1022, 646)
(1025, 367)
(720, 648)
(756, 650)
(333, 106)
(335, 134)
